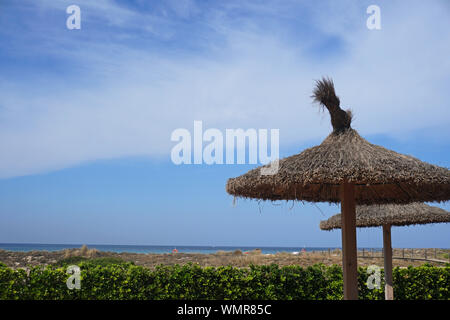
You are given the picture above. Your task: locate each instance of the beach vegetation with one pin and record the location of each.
(111, 281)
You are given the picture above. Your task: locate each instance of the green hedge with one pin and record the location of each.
(127, 281)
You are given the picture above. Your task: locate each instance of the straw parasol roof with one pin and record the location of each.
(348, 169)
(395, 215)
(380, 175)
(387, 216)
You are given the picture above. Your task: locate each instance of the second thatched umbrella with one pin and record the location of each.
(348, 169)
(387, 216)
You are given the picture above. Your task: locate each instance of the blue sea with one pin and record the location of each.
(156, 249)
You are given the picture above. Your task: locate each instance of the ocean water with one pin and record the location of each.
(156, 249)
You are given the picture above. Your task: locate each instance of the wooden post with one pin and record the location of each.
(425, 252)
(435, 253)
(403, 253)
(387, 250)
(348, 228)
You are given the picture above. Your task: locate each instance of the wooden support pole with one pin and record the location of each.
(387, 249)
(349, 253)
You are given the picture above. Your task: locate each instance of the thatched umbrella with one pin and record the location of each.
(348, 169)
(387, 216)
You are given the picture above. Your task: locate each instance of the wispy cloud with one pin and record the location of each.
(134, 73)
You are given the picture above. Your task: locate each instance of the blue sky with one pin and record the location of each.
(86, 115)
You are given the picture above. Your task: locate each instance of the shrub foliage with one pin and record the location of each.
(128, 281)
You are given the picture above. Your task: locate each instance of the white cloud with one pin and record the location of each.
(393, 79)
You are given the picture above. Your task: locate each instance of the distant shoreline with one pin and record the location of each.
(160, 249)
(236, 258)
(27, 247)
